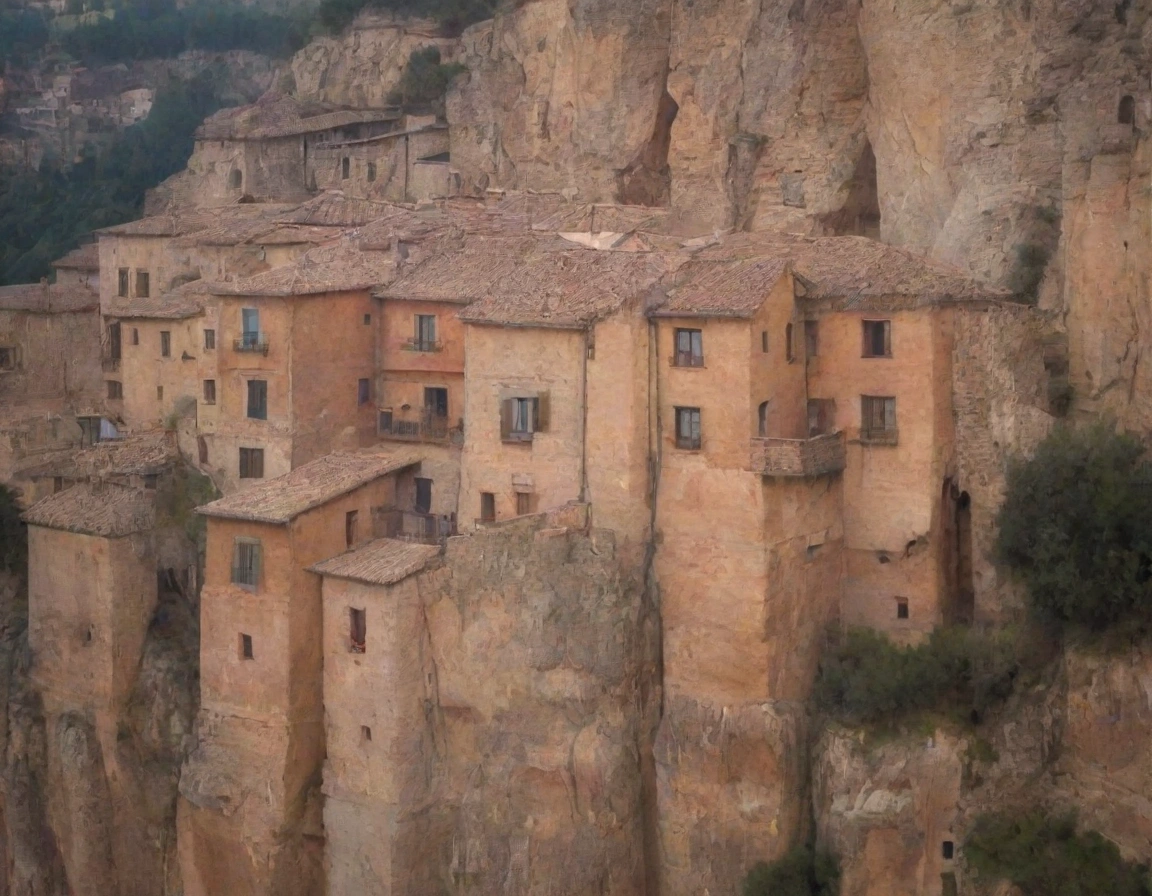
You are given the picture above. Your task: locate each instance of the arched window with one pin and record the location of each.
(236, 179)
(1126, 114)
(762, 417)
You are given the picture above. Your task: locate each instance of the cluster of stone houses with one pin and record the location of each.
(766, 423)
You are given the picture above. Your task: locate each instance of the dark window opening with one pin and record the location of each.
(209, 391)
(345, 168)
(363, 392)
(165, 344)
(246, 563)
(115, 390)
(371, 172)
(142, 284)
(436, 401)
(764, 341)
(688, 428)
(811, 338)
(789, 349)
(122, 283)
(877, 339)
(385, 422)
(246, 648)
(948, 850)
(524, 503)
(762, 419)
(424, 339)
(209, 339)
(877, 418)
(357, 630)
(487, 507)
(689, 349)
(236, 179)
(114, 342)
(251, 463)
(159, 393)
(350, 519)
(202, 449)
(151, 480)
(367, 319)
(821, 416)
(135, 336)
(1126, 113)
(7, 358)
(423, 495)
(57, 484)
(258, 399)
(365, 733)
(901, 608)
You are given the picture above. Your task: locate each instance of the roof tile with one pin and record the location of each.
(385, 561)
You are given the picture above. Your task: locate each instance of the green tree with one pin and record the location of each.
(13, 533)
(802, 871)
(1076, 527)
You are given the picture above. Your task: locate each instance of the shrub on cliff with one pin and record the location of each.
(1076, 527)
(803, 871)
(1044, 856)
(425, 81)
(453, 15)
(957, 672)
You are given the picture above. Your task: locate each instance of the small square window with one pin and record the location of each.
(151, 480)
(365, 734)
(209, 339)
(251, 463)
(878, 418)
(357, 630)
(688, 429)
(246, 557)
(901, 608)
(246, 648)
(689, 350)
(142, 284)
(115, 390)
(7, 358)
(367, 319)
(948, 850)
(524, 503)
(877, 339)
(57, 484)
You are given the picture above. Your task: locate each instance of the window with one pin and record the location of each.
(209, 391)
(345, 168)
(764, 341)
(257, 399)
(135, 336)
(151, 480)
(762, 419)
(236, 179)
(357, 630)
(425, 338)
(821, 416)
(1126, 113)
(350, 519)
(902, 613)
(436, 401)
(114, 342)
(7, 358)
(251, 463)
(877, 418)
(250, 322)
(115, 390)
(385, 422)
(688, 428)
(789, 350)
(363, 392)
(811, 338)
(689, 349)
(371, 172)
(365, 733)
(209, 339)
(367, 319)
(423, 495)
(948, 850)
(877, 339)
(202, 449)
(246, 562)
(165, 344)
(520, 418)
(524, 503)
(122, 283)
(159, 393)
(487, 507)
(142, 284)
(246, 648)
(57, 484)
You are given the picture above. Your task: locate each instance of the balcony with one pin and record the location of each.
(252, 342)
(428, 428)
(421, 345)
(817, 456)
(419, 528)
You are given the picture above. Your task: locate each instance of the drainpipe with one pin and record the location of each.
(584, 420)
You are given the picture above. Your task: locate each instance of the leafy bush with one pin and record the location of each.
(453, 15)
(1076, 526)
(957, 672)
(1044, 856)
(425, 80)
(13, 533)
(801, 872)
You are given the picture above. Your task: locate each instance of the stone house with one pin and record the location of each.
(262, 711)
(81, 267)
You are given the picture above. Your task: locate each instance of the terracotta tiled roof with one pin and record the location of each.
(334, 209)
(719, 288)
(381, 562)
(49, 298)
(280, 115)
(238, 218)
(177, 304)
(596, 218)
(106, 509)
(144, 454)
(340, 267)
(569, 289)
(82, 258)
(462, 271)
(282, 499)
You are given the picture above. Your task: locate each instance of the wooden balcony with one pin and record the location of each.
(426, 428)
(817, 456)
(410, 525)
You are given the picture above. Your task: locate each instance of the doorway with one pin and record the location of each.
(436, 402)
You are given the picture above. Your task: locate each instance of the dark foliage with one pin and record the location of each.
(1076, 526)
(44, 213)
(958, 673)
(23, 34)
(425, 81)
(13, 533)
(453, 15)
(1044, 856)
(801, 872)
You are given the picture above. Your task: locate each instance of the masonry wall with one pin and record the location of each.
(404, 373)
(777, 375)
(394, 158)
(158, 389)
(58, 357)
(505, 363)
(892, 493)
(137, 253)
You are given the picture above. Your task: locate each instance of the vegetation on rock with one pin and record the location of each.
(1076, 527)
(1044, 856)
(453, 15)
(957, 672)
(425, 80)
(13, 533)
(802, 871)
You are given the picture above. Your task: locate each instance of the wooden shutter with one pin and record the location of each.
(543, 409)
(887, 325)
(506, 418)
(258, 463)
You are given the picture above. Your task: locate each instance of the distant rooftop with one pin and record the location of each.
(48, 298)
(105, 509)
(145, 454)
(281, 115)
(82, 258)
(381, 562)
(177, 304)
(601, 218)
(340, 267)
(238, 218)
(720, 288)
(284, 498)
